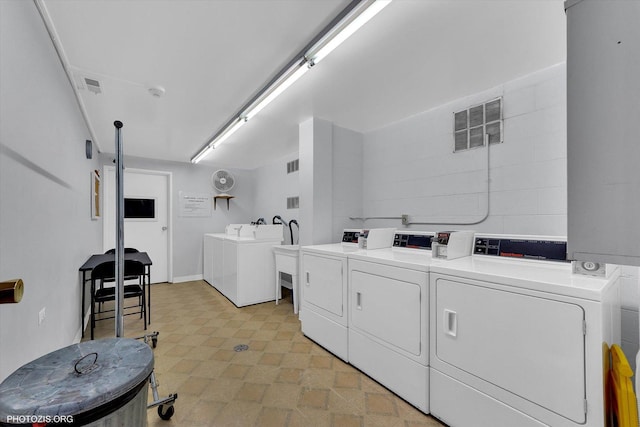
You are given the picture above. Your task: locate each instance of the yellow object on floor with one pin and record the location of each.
(624, 403)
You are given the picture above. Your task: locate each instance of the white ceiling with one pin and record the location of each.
(211, 56)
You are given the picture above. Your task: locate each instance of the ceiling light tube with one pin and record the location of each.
(228, 132)
(202, 154)
(277, 88)
(219, 138)
(348, 22)
(349, 25)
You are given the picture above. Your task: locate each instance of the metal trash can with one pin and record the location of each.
(95, 383)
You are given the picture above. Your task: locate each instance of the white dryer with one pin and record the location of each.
(517, 339)
(323, 285)
(388, 315)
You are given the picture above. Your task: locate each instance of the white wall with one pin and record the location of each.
(347, 180)
(410, 167)
(188, 231)
(46, 231)
(273, 185)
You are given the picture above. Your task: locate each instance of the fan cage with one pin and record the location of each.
(222, 180)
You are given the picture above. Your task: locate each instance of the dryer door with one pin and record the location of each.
(323, 283)
(530, 346)
(390, 305)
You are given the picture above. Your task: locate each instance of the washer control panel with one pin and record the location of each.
(420, 241)
(350, 236)
(544, 250)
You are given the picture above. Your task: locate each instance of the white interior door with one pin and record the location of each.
(150, 234)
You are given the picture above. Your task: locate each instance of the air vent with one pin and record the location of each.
(93, 85)
(293, 165)
(293, 202)
(471, 125)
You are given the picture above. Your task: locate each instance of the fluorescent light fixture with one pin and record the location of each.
(334, 37)
(202, 154)
(277, 88)
(228, 132)
(353, 18)
(345, 28)
(219, 138)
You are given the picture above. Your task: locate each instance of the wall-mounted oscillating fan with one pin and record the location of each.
(222, 181)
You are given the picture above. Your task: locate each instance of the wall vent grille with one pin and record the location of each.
(471, 125)
(93, 85)
(293, 202)
(293, 165)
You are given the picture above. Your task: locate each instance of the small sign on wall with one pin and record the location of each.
(194, 204)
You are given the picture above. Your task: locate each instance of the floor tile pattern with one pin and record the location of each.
(283, 379)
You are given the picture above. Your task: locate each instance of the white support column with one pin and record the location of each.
(316, 181)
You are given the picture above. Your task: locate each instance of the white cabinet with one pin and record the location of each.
(212, 263)
(229, 266)
(241, 268)
(603, 93)
(207, 270)
(215, 261)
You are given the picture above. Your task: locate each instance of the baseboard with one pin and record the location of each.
(78, 336)
(181, 279)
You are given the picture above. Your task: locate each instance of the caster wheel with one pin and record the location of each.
(165, 412)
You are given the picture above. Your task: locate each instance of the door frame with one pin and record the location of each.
(169, 176)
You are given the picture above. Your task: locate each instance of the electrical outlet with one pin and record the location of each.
(405, 219)
(41, 315)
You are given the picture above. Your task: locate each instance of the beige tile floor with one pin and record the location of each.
(283, 379)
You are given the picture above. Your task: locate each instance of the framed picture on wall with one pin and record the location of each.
(96, 209)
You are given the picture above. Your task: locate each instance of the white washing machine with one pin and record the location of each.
(323, 286)
(518, 340)
(388, 315)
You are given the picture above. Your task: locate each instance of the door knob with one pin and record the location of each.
(164, 228)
